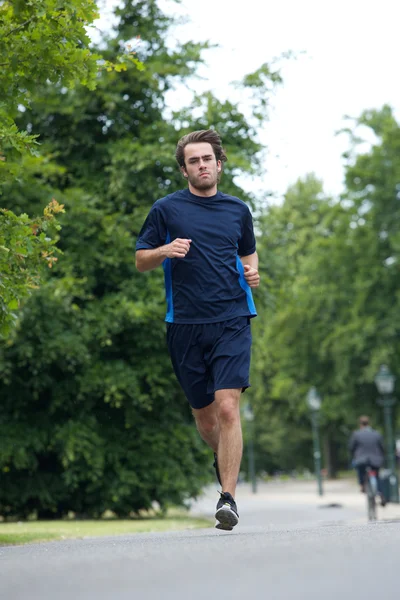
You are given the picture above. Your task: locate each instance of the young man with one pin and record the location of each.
(205, 241)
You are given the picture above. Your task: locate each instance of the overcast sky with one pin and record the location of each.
(349, 62)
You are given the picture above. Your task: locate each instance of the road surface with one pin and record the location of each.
(289, 544)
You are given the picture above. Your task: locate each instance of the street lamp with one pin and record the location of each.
(314, 404)
(384, 381)
(249, 418)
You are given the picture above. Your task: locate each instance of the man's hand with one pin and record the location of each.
(148, 259)
(177, 249)
(251, 275)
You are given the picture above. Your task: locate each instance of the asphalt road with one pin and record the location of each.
(287, 545)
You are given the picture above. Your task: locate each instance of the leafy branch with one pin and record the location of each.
(26, 246)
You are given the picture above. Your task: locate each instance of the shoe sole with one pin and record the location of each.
(226, 518)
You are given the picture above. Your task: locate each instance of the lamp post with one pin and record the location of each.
(249, 418)
(314, 404)
(384, 381)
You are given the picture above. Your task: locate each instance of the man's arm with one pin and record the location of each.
(250, 264)
(146, 260)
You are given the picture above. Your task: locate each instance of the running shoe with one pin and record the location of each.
(227, 515)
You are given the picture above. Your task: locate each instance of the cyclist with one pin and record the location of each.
(366, 449)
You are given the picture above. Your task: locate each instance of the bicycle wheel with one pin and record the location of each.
(370, 500)
(374, 484)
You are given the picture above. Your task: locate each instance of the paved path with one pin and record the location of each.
(289, 544)
(290, 503)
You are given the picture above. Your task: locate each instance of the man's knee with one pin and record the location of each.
(228, 409)
(206, 420)
(206, 425)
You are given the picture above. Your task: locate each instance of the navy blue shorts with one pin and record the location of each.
(210, 357)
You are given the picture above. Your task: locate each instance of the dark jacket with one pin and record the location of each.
(366, 447)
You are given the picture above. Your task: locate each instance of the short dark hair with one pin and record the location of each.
(364, 421)
(204, 135)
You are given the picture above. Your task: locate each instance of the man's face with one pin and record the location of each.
(201, 167)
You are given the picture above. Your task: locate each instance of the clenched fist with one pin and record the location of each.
(178, 248)
(252, 276)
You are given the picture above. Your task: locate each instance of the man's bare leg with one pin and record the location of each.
(207, 424)
(219, 426)
(230, 445)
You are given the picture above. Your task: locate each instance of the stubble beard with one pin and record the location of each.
(198, 184)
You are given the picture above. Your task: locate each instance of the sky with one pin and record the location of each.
(347, 62)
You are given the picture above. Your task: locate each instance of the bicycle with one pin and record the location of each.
(371, 491)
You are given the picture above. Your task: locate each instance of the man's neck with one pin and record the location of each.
(203, 193)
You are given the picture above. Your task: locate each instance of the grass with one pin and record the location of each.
(24, 532)
(349, 474)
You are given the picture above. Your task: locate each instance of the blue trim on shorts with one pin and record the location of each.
(167, 266)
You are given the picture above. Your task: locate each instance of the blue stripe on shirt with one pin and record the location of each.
(167, 266)
(245, 286)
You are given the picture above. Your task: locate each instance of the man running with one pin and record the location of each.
(205, 241)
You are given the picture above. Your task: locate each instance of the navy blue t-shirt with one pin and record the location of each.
(208, 285)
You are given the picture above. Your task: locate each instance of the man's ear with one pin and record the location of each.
(219, 166)
(183, 171)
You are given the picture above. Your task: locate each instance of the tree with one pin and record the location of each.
(41, 43)
(334, 280)
(290, 323)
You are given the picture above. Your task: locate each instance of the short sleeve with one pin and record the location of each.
(154, 231)
(247, 242)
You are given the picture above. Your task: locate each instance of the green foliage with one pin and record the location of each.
(333, 274)
(46, 42)
(42, 43)
(87, 426)
(25, 245)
